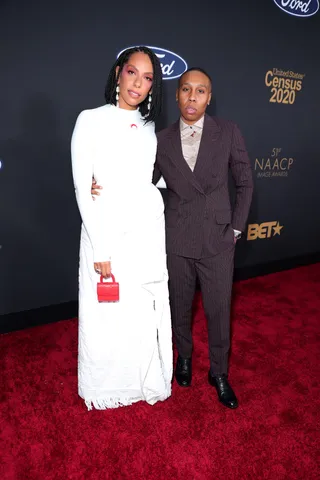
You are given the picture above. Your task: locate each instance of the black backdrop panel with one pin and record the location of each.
(55, 58)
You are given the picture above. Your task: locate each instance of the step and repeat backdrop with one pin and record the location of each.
(55, 58)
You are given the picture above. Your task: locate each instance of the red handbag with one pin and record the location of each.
(108, 291)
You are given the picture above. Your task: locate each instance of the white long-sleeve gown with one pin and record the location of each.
(125, 348)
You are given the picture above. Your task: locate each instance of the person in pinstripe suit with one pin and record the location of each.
(194, 156)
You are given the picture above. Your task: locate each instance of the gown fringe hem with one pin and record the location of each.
(117, 402)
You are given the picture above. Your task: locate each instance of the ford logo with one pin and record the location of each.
(172, 65)
(298, 8)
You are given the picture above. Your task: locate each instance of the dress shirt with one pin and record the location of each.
(190, 141)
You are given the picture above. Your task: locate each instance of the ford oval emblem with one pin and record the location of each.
(172, 65)
(298, 8)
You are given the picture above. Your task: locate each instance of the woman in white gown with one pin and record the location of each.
(125, 348)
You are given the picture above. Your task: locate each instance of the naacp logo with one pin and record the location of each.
(298, 8)
(276, 164)
(172, 65)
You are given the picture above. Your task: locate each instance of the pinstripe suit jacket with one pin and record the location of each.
(199, 217)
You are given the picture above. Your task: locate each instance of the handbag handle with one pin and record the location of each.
(112, 276)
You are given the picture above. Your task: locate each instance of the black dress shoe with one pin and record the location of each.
(183, 371)
(225, 393)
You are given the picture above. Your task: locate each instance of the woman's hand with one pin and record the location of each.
(95, 188)
(103, 268)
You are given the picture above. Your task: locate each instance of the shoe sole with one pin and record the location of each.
(183, 385)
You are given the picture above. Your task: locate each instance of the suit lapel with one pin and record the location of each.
(210, 134)
(177, 156)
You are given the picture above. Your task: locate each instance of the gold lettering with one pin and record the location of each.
(264, 230)
(268, 227)
(283, 163)
(257, 163)
(267, 81)
(253, 230)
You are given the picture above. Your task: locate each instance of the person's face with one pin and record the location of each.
(193, 96)
(135, 81)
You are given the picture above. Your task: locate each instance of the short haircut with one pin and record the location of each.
(157, 84)
(195, 69)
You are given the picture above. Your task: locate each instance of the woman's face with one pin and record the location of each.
(135, 81)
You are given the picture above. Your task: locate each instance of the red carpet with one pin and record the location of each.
(47, 433)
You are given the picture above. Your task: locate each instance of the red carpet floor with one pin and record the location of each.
(47, 433)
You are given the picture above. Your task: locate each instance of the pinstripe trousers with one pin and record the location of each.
(215, 276)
